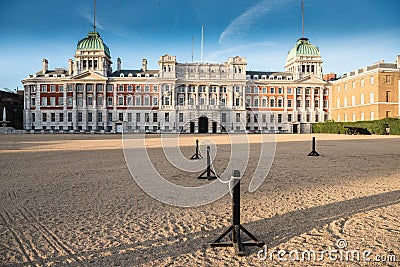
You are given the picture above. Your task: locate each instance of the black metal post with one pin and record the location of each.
(208, 170)
(236, 227)
(197, 155)
(313, 152)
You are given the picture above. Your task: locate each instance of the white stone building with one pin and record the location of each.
(177, 97)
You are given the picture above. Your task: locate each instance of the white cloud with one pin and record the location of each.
(242, 23)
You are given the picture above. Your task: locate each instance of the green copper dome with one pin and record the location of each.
(303, 47)
(93, 42)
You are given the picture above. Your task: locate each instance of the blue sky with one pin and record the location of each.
(350, 33)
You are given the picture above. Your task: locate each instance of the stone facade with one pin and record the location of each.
(176, 97)
(371, 93)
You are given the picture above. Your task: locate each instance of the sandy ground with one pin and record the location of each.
(70, 200)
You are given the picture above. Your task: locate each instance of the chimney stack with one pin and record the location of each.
(118, 64)
(45, 64)
(144, 64)
(70, 67)
(398, 61)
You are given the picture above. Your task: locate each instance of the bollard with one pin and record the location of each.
(235, 229)
(197, 154)
(208, 170)
(313, 152)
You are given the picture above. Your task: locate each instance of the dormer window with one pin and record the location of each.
(138, 75)
(130, 75)
(271, 77)
(255, 77)
(264, 77)
(121, 75)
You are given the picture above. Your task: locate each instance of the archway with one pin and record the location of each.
(203, 125)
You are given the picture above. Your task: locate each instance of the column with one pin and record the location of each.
(197, 94)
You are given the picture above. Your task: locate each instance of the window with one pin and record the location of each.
(308, 118)
(264, 90)
(372, 80)
(121, 116)
(109, 88)
(289, 117)
(388, 114)
(52, 117)
(147, 101)
(345, 86)
(180, 117)
(264, 102)
(289, 91)
(52, 101)
(223, 102)
(298, 91)
(247, 89)
(129, 117)
(79, 116)
(90, 117)
(372, 116)
(280, 103)
(130, 88)
(289, 103)
(137, 117)
(69, 116)
(147, 88)
(155, 101)
(44, 88)
(362, 98)
(129, 101)
(248, 117)
(316, 91)
(69, 101)
(307, 91)
(120, 101)
(155, 88)
(354, 117)
(155, 119)
(79, 87)
(280, 91)
(61, 117)
(388, 96)
(388, 79)
(307, 103)
(223, 117)
(256, 118)
(32, 102)
(109, 117)
(69, 88)
(371, 97)
(353, 100)
(353, 84)
(264, 118)
(138, 88)
(272, 90)
(299, 117)
(316, 103)
(326, 104)
(298, 103)
(345, 101)
(90, 100)
(256, 102)
(326, 92)
(61, 101)
(80, 101)
(99, 88)
(191, 101)
(146, 117)
(100, 117)
(362, 116)
(338, 88)
(272, 103)
(89, 88)
(120, 88)
(202, 100)
(316, 118)
(109, 101)
(44, 101)
(272, 118)
(237, 88)
(61, 88)
(279, 118)
(138, 101)
(237, 117)
(237, 101)
(338, 102)
(212, 101)
(44, 117)
(167, 102)
(166, 116)
(362, 82)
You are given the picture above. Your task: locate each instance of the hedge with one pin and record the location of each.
(374, 127)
